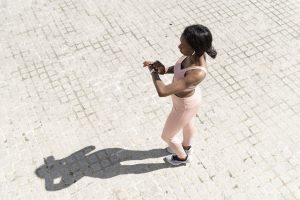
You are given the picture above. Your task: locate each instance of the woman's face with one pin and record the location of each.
(184, 47)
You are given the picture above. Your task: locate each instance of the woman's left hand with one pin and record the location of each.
(149, 64)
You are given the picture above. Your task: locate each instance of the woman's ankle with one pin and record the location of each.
(182, 159)
(186, 147)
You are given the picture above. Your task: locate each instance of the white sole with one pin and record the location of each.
(177, 163)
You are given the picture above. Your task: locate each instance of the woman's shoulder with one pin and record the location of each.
(196, 69)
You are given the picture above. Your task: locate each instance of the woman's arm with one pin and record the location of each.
(170, 70)
(177, 86)
(159, 85)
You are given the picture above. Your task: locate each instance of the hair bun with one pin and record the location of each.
(212, 52)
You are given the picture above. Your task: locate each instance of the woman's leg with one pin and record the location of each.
(183, 111)
(172, 126)
(188, 131)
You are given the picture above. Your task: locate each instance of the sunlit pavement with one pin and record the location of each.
(81, 119)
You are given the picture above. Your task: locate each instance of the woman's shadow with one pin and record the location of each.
(105, 163)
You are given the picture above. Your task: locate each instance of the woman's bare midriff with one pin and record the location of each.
(185, 94)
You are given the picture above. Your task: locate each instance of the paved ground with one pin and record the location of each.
(80, 117)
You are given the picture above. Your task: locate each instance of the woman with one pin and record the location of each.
(188, 71)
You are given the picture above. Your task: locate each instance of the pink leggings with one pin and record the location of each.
(181, 117)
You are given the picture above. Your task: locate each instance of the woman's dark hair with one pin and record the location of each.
(200, 39)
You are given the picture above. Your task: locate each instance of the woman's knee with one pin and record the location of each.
(165, 138)
(169, 139)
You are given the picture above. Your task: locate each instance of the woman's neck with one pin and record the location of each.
(194, 59)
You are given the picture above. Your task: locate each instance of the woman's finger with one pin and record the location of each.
(147, 63)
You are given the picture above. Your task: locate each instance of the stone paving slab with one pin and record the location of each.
(81, 119)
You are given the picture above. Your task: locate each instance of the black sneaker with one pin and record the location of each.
(174, 160)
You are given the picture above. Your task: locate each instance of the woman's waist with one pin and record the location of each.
(185, 94)
(196, 92)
